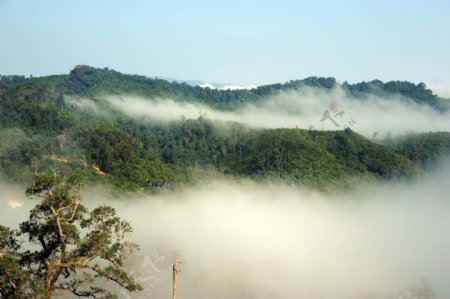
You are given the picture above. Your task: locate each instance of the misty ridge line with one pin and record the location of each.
(305, 108)
(92, 80)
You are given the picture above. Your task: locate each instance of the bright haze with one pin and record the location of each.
(239, 239)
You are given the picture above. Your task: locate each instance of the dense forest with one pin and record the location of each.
(89, 81)
(40, 131)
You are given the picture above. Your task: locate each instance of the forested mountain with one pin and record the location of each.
(40, 131)
(88, 81)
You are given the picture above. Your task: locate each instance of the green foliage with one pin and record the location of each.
(33, 106)
(423, 149)
(358, 153)
(40, 131)
(15, 281)
(418, 93)
(84, 80)
(73, 247)
(288, 154)
(317, 158)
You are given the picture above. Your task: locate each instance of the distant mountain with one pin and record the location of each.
(211, 85)
(215, 85)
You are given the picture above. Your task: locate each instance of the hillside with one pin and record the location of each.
(88, 81)
(40, 131)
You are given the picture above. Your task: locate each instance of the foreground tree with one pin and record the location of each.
(77, 250)
(14, 281)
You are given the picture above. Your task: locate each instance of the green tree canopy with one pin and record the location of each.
(69, 248)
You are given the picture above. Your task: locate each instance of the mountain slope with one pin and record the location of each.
(40, 132)
(88, 81)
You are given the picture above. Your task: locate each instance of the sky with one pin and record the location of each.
(242, 42)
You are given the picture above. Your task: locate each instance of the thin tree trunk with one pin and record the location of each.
(175, 271)
(174, 291)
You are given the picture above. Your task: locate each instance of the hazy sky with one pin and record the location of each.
(243, 42)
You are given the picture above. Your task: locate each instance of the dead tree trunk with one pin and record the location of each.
(175, 271)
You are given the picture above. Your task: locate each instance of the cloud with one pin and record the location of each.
(14, 203)
(12, 198)
(237, 87)
(303, 109)
(159, 109)
(207, 85)
(84, 104)
(223, 86)
(240, 239)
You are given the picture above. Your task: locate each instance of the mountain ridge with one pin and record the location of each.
(86, 80)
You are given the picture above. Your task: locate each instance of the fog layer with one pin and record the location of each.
(303, 108)
(245, 240)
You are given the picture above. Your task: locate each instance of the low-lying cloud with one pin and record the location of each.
(246, 240)
(307, 108)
